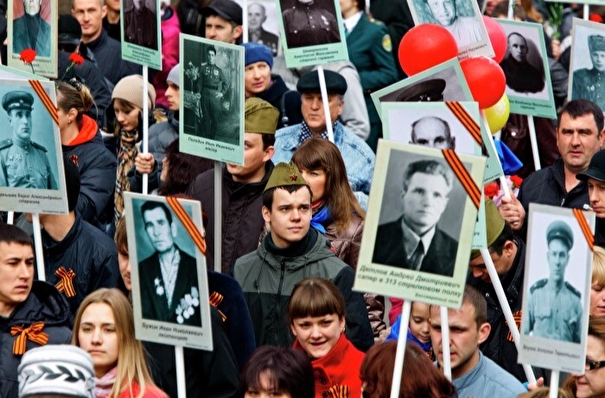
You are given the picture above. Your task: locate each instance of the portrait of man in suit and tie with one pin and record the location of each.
(414, 241)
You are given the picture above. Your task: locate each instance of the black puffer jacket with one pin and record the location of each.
(44, 304)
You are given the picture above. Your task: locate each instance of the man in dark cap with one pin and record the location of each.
(554, 308)
(31, 30)
(224, 21)
(307, 24)
(140, 25)
(23, 163)
(300, 252)
(357, 155)
(521, 76)
(595, 180)
(590, 83)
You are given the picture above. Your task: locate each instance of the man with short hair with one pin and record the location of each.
(432, 132)
(521, 76)
(466, 30)
(242, 188)
(579, 136)
(357, 155)
(169, 275)
(590, 83)
(107, 51)
(31, 30)
(23, 163)
(554, 308)
(473, 374)
(289, 253)
(257, 15)
(414, 241)
(29, 310)
(140, 25)
(224, 21)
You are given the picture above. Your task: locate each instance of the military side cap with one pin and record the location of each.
(226, 9)
(596, 43)
(560, 230)
(285, 174)
(260, 116)
(427, 91)
(596, 168)
(494, 225)
(17, 100)
(335, 83)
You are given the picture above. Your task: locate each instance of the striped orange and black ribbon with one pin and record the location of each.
(65, 283)
(466, 119)
(45, 98)
(192, 230)
(33, 333)
(585, 227)
(463, 175)
(215, 300)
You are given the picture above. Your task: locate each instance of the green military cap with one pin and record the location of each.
(494, 225)
(335, 83)
(596, 43)
(260, 116)
(560, 230)
(427, 91)
(17, 100)
(285, 174)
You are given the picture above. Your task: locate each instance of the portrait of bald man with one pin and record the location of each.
(432, 132)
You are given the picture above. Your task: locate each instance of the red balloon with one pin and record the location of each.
(425, 46)
(497, 36)
(485, 79)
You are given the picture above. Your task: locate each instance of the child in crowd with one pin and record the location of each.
(418, 330)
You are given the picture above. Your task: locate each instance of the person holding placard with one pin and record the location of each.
(473, 374)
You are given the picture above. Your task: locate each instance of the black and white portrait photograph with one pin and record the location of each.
(213, 108)
(418, 210)
(462, 18)
(587, 62)
(310, 22)
(169, 272)
(139, 23)
(444, 82)
(31, 162)
(263, 23)
(557, 284)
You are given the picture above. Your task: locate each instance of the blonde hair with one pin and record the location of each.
(132, 366)
(598, 266)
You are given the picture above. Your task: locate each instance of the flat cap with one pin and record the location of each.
(17, 100)
(335, 83)
(260, 116)
(596, 43)
(494, 225)
(226, 9)
(596, 168)
(560, 230)
(427, 91)
(70, 31)
(285, 174)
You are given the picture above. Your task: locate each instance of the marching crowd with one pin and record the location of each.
(285, 320)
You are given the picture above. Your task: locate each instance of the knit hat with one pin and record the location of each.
(494, 225)
(56, 370)
(285, 174)
(335, 83)
(560, 230)
(174, 75)
(260, 116)
(256, 52)
(596, 43)
(130, 89)
(72, 182)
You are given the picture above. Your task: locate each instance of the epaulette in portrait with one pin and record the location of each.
(538, 285)
(36, 145)
(7, 143)
(573, 289)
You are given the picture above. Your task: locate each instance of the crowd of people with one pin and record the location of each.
(284, 318)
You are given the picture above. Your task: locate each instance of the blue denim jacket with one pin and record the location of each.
(357, 155)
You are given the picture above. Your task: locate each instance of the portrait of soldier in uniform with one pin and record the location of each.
(307, 23)
(590, 83)
(23, 163)
(521, 75)
(140, 24)
(212, 86)
(432, 132)
(168, 277)
(31, 30)
(257, 15)
(554, 307)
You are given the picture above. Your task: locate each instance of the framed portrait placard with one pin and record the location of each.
(556, 290)
(588, 39)
(44, 15)
(525, 65)
(32, 179)
(312, 32)
(212, 99)
(419, 225)
(140, 26)
(169, 280)
(7, 73)
(263, 23)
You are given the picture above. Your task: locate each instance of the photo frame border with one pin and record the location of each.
(140, 54)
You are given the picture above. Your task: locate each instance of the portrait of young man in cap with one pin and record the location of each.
(589, 83)
(23, 162)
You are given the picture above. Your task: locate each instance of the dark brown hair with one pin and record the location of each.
(71, 97)
(182, 169)
(315, 297)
